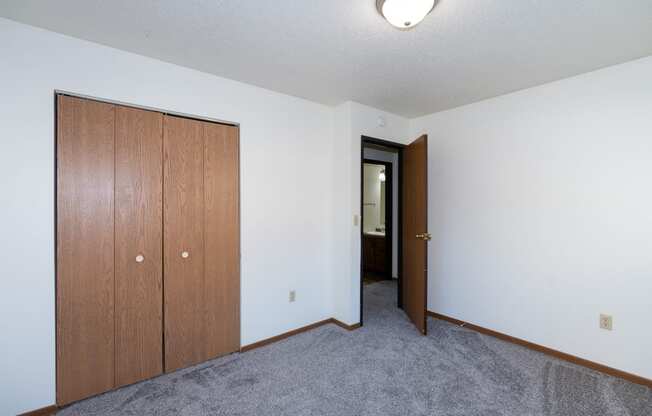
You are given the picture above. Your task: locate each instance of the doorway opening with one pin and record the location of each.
(377, 220)
(381, 210)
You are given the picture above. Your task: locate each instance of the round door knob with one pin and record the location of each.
(185, 254)
(140, 258)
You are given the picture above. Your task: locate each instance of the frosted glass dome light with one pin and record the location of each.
(405, 14)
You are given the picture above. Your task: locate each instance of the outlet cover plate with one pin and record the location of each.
(606, 322)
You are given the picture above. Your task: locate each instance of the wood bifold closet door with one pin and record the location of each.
(85, 248)
(111, 209)
(109, 247)
(201, 241)
(138, 245)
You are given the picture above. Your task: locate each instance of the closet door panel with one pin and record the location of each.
(138, 237)
(183, 242)
(85, 248)
(222, 239)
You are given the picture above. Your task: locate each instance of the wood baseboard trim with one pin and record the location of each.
(345, 326)
(549, 351)
(289, 334)
(44, 411)
(280, 337)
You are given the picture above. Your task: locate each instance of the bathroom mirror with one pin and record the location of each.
(374, 198)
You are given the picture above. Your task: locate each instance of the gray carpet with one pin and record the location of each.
(384, 368)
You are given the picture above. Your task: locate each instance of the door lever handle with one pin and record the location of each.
(425, 236)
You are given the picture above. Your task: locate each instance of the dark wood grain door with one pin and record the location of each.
(415, 231)
(222, 239)
(138, 244)
(183, 225)
(85, 248)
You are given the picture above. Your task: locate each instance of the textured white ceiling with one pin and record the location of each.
(331, 51)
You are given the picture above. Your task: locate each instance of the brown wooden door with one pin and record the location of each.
(415, 231)
(85, 248)
(138, 245)
(183, 213)
(222, 239)
(139, 193)
(201, 240)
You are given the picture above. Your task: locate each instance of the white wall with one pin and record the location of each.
(541, 214)
(393, 158)
(282, 140)
(352, 121)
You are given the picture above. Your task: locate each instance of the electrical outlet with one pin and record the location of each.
(356, 220)
(606, 322)
(293, 295)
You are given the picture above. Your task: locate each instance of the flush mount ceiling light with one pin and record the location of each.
(405, 14)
